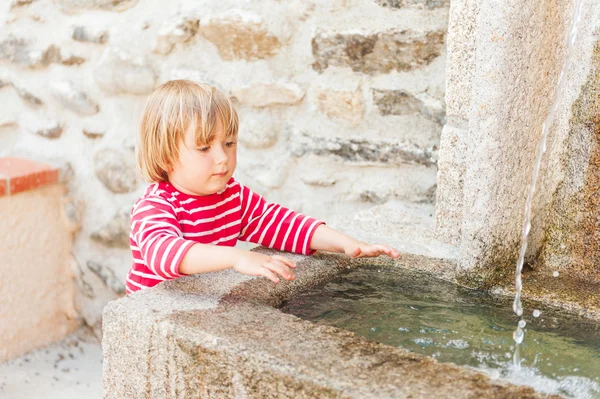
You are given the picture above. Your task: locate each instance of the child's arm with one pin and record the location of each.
(328, 239)
(204, 258)
(275, 226)
(157, 239)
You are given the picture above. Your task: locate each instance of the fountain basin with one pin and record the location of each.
(221, 335)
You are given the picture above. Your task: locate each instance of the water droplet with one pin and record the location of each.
(536, 313)
(555, 274)
(522, 323)
(457, 344)
(423, 342)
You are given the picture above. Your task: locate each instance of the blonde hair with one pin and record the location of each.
(170, 111)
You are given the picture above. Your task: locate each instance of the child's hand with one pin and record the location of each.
(257, 264)
(360, 249)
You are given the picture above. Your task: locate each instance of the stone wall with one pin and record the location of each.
(504, 60)
(341, 102)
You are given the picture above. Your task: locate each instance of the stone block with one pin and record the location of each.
(401, 102)
(179, 29)
(426, 4)
(41, 125)
(268, 94)
(239, 35)
(107, 276)
(377, 52)
(259, 133)
(75, 6)
(67, 94)
(341, 105)
(361, 151)
(115, 169)
(115, 233)
(119, 72)
(84, 34)
(18, 51)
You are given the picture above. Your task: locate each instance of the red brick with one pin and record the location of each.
(24, 174)
(2, 186)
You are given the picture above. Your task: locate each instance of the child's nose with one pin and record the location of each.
(221, 155)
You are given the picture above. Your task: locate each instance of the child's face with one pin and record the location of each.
(206, 169)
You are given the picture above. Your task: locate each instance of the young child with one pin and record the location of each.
(191, 216)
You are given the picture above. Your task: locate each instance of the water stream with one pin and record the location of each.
(519, 333)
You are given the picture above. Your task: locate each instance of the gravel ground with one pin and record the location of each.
(69, 369)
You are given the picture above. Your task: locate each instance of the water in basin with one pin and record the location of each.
(418, 312)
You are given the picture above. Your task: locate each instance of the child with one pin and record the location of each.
(191, 216)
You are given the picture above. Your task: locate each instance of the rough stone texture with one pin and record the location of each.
(396, 50)
(72, 212)
(407, 227)
(258, 134)
(399, 102)
(70, 97)
(449, 196)
(239, 35)
(176, 30)
(341, 105)
(27, 96)
(118, 72)
(496, 103)
(272, 173)
(84, 34)
(41, 125)
(495, 181)
(23, 93)
(108, 277)
(94, 128)
(115, 233)
(573, 239)
(71, 59)
(428, 4)
(109, 5)
(17, 50)
(320, 179)
(218, 336)
(354, 150)
(20, 3)
(267, 94)
(115, 169)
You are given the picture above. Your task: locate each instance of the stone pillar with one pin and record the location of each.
(504, 59)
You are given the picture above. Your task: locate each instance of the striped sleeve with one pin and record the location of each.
(275, 226)
(156, 231)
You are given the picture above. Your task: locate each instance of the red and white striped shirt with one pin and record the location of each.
(165, 223)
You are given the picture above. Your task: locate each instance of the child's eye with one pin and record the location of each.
(229, 144)
(204, 149)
